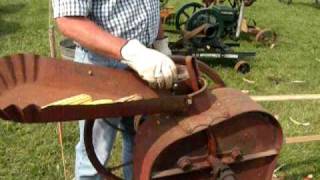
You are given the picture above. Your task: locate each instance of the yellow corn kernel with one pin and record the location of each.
(74, 100)
(99, 101)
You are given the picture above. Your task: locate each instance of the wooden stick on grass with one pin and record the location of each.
(53, 54)
(302, 139)
(286, 97)
(297, 139)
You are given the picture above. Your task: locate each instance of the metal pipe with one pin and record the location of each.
(240, 19)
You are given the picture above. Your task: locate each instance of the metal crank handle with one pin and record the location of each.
(203, 68)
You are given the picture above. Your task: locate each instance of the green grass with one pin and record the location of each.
(32, 151)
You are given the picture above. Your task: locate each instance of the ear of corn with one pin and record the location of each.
(100, 101)
(74, 100)
(85, 99)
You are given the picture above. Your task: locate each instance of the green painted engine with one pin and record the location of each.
(220, 21)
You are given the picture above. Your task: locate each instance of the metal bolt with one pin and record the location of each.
(184, 163)
(90, 73)
(226, 114)
(189, 101)
(236, 153)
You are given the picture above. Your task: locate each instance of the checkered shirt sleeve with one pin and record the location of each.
(71, 7)
(129, 19)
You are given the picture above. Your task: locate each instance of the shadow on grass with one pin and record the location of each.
(312, 4)
(11, 8)
(308, 4)
(226, 63)
(6, 26)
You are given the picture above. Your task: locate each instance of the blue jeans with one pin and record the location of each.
(103, 134)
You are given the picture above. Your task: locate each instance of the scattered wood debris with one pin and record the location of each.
(248, 81)
(272, 45)
(245, 91)
(299, 123)
(309, 177)
(298, 82)
(275, 176)
(278, 168)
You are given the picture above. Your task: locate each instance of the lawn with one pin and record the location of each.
(32, 151)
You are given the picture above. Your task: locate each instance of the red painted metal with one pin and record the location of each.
(28, 82)
(191, 132)
(234, 120)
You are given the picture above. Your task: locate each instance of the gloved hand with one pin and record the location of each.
(162, 45)
(153, 66)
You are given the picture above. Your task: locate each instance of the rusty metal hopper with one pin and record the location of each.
(28, 82)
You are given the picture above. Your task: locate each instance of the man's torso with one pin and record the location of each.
(128, 19)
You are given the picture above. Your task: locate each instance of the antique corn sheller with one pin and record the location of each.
(188, 132)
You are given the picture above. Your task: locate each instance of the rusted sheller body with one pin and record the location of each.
(188, 132)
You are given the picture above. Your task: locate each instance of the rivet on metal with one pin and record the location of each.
(90, 73)
(189, 101)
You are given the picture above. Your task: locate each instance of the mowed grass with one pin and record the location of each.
(32, 151)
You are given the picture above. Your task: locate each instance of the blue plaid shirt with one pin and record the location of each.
(129, 19)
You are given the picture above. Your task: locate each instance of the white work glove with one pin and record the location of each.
(162, 45)
(153, 66)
